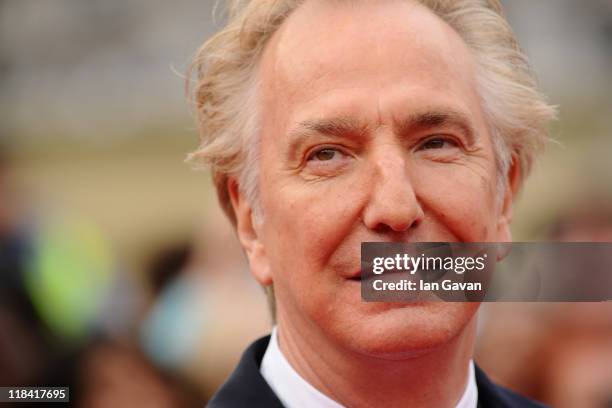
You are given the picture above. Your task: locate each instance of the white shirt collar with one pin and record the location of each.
(295, 392)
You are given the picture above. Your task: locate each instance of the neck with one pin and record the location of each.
(436, 378)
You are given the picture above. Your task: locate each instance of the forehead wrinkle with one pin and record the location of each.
(299, 60)
(319, 54)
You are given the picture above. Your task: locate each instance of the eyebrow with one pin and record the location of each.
(350, 127)
(340, 127)
(435, 119)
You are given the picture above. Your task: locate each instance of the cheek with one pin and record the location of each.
(311, 222)
(461, 200)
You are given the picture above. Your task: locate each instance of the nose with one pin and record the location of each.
(393, 205)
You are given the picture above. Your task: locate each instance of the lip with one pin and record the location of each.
(358, 276)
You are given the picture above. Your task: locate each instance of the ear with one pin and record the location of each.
(249, 234)
(513, 182)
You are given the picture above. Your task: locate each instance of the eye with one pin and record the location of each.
(438, 142)
(327, 161)
(325, 154)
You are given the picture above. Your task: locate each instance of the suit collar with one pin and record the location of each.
(492, 395)
(247, 388)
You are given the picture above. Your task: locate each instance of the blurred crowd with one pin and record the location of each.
(560, 353)
(70, 315)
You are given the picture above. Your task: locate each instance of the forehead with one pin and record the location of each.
(327, 50)
(338, 40)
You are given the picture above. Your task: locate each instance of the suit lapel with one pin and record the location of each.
(246, 387)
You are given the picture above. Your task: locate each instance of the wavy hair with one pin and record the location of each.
(223, 77)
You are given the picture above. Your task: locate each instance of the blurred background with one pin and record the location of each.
(116, 263)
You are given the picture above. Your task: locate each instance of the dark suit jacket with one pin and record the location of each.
(246, 388)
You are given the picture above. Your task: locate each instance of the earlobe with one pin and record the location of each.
(248, 234)
(513, 182)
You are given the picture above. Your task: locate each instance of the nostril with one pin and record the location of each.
(382, 229)
(389, 228)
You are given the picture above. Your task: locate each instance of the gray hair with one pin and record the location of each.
(223, 84)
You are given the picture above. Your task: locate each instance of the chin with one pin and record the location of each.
(393, 331)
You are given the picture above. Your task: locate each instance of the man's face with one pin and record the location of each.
(372, 130)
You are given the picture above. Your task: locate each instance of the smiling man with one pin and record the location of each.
(331, 123)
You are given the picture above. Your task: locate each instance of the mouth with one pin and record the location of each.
(357, 276)
(368, 275)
